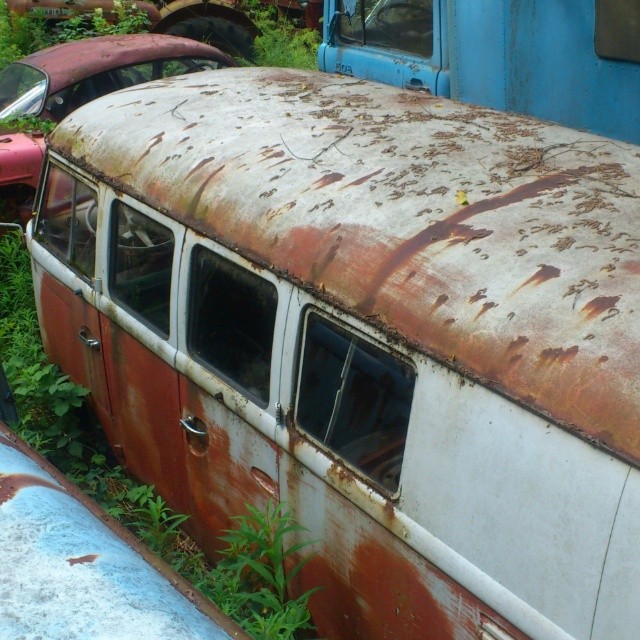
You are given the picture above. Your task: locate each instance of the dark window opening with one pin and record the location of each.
(355, 399)
(402, 25)
(232, 321)
(618, 29)
(141, 264)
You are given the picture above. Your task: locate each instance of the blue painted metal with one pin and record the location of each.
(528, 56)
(68, 571)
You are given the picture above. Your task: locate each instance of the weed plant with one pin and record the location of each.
(248, 584)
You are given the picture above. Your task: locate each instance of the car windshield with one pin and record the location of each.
(22, 90)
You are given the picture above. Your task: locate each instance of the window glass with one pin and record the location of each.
(141, 261)
(232, 320)
(355, 399)
(22, 90)
(404, 25)
(618, 29)
(67, 220)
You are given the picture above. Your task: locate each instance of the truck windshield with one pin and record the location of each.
(22, 90)
(404, 25)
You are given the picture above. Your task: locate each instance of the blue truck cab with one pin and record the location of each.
(578, 65)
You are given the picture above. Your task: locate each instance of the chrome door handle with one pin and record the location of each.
(188, 424)
(90, 342)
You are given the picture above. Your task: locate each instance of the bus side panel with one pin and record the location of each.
(385, 590)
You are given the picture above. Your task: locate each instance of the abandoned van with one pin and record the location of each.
(410, 319)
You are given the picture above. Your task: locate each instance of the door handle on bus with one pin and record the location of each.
(189, 425)
(90, 342)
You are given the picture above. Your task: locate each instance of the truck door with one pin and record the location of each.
(229, 361)
(398, 42)
(66, 287)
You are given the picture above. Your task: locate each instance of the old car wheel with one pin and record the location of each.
(218, 32)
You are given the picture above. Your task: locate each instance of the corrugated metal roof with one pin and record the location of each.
(352, 188)
(66, 575)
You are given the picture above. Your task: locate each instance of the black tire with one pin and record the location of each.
(224, 34)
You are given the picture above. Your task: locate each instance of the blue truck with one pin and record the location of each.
(576, 62)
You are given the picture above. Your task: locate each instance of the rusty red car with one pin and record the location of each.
(52, 83)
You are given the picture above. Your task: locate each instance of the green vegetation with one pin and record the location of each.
(248, 583)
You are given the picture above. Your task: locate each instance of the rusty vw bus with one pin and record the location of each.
(411, 319)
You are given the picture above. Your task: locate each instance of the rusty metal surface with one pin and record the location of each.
(72, 61)
(20, 158)
(69, 571)
(351, 189)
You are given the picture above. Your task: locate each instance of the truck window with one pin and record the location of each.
(232, 320)
(404, 25)
(355, 399)
(618, 29)
(141, 260)
(67, 220)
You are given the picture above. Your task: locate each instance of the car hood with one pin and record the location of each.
(21, 158)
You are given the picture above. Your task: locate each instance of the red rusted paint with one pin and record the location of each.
(518, 343)
(485, 307)
(476, 297)
(145, 397)
(632, 267)
(200, 164)
(328, 179)
(364, 179)
(219, 485)
(558, 355)
(101, 54)
(156, 140)
(10, 484)
(598, 306)
(545, 272)
(87, 559)
(440, 300)
(192, 208)
(452, 229)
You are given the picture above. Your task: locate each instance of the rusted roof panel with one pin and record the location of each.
(353, 188)
(66, 574)
(72, 61)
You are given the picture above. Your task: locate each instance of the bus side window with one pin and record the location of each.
(67, 221)
(354, 399)
(141, 261)
(232, 322)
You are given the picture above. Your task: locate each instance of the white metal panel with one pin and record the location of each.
(618, 610)
(526, 502)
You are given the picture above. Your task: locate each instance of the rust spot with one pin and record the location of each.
(317, 269)
(478, 296)
(273, 154)
(514, 359)
(599, 305)
(193, 205)
(156, 141)
(440, 300)
(328, 179)
(449, 321)
(516, 344)
(632, 267)
(91, 557)
(545, 272)
(410, 275)
(199, 166)
(485, 307)
(559, 355)
(190, 126)
(10, 484)
(602, 359)
(362, 180)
